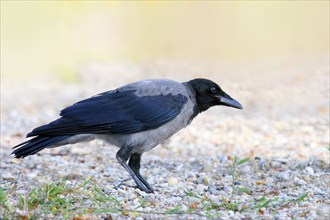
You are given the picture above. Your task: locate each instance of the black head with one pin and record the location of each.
(209, 94)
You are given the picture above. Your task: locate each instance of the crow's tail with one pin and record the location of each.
(36, 144)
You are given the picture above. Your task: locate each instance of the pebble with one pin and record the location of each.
(32, 175)
(81, 150)
(307, 178)
(223, 159)
(309, 170)
(190, 179)
(208, 167)
(262, 162)
(201, 188)
(142, 193)
(284, 175)
(299, 181)
(203, 180)
(215, 199)
(245, 169)
(281, 160)
(275, 164)
(213, 190)
(228, 189)
(136, 202)
(231, 213)
(184, 208)
(173, 181)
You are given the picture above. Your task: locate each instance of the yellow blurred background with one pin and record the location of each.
(57, 36)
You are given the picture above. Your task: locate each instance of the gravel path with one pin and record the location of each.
(199, 173)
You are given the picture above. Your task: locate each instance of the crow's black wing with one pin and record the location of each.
(116, 112)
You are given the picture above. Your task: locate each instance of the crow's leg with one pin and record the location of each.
(122, 156)
(134, 164)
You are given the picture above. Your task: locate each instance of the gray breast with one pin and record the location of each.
(147, 140)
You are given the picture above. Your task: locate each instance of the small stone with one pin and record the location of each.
(147, 209)
(262, 163)
(307, 178)
(200, 187)
(283, 176)
(215, 199)
(190, 179)
(228, 189)
(205, 181)
(80, 150)
(51, 216)
(231, 213)
(309, 170)
(223, 159)
(134, 215)
(200, 180)
(32, 175)
(239, 215)
(281, 160)
(208, 168)
(245, 169)
(142, 193)
(173, 181)
(136, 201)
(298, 181)
(223, 193)
(275, 164)
(260, 182)
(314, 213)
(269, 180)
(224, 216)
(184, 208)
(213, 190)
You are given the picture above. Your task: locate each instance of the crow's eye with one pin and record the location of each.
(213, 90)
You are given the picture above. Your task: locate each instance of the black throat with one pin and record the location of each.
(199, 106)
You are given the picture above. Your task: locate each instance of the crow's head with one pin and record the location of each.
(209, 94)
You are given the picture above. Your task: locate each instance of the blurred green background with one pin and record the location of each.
(57, 36)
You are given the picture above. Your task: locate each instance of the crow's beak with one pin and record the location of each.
(226, 100)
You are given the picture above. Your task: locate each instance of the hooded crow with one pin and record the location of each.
(135, 117)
